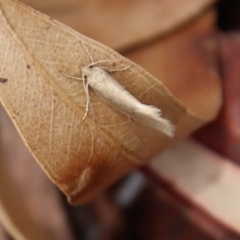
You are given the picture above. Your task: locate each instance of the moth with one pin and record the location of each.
(105, 86)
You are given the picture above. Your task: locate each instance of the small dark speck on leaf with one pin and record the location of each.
(3, 80)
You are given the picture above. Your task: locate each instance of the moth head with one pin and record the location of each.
(86, 71)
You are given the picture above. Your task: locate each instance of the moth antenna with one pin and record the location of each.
(88, 53)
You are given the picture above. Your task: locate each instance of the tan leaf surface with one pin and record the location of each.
(121, 24)
(47, 108)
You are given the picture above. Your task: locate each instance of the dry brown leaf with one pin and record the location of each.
(122, 24)
(47, 107)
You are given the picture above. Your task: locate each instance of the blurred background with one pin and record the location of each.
(154, 202)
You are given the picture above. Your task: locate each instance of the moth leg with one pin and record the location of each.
(100, 61)
(86, 90)
(72, 77)
(116, 69)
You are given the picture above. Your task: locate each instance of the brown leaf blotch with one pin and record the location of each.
(3, 80)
